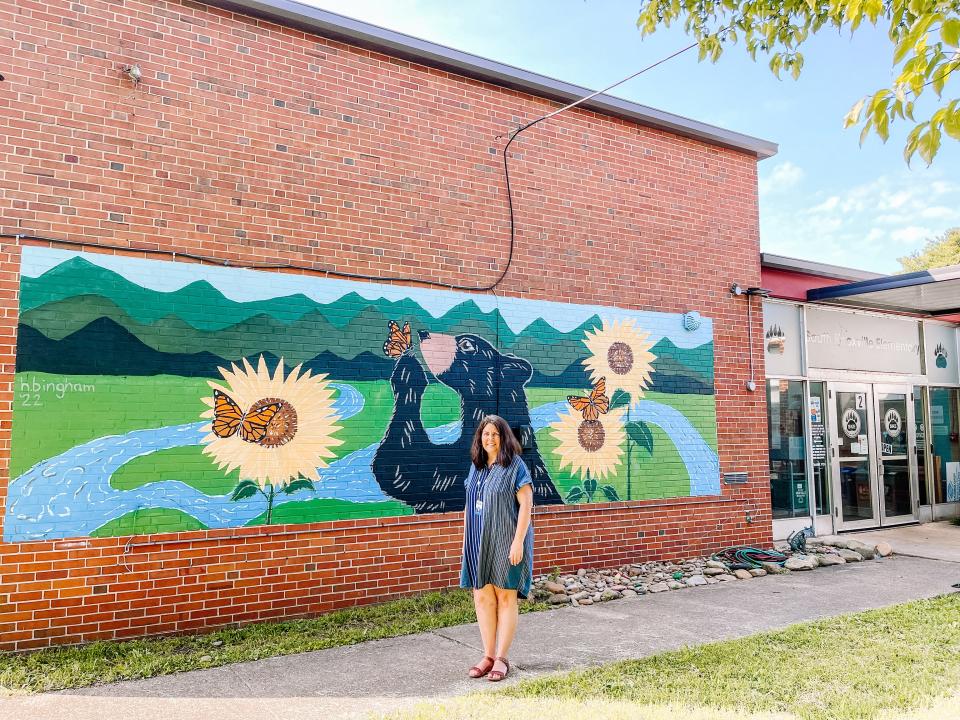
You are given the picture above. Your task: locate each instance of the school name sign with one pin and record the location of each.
(854, 341)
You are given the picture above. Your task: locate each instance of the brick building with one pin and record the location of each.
(310, 214)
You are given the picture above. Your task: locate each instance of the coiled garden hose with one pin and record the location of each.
(748, 557)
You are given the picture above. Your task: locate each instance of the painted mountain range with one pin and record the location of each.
(81, 318)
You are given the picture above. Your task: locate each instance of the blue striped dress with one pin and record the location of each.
(490, 523)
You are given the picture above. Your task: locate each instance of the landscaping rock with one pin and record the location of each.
(714, 571)
(675, 585)
(725, 578)
(800, 562)
(831, 559)
(716, 564)
(629, 593)
(609, 595)
(585, 601)
(830, 541)
(743, 574)
(757, 572)
(558, 599)
(867, 552)
(773, 568)
(695, 580)
(554, 587)
(658, 587)
(850, 555)
(884, 549)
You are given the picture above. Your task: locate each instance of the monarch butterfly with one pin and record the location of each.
(228, 418)
(398, 341)
(592, 406)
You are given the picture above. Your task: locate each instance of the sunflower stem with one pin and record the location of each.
(628, 452)
(270, 506)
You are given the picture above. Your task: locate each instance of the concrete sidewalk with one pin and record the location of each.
(352, 682)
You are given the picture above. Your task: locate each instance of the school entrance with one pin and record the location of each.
(874, 457)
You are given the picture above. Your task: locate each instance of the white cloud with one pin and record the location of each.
(911, 235)
(866, 226)
(784, 176)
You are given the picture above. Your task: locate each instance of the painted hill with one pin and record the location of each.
(105, 348)
(79, 317)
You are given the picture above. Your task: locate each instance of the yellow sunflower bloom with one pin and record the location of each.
(620, 352)
(284, 426)
(593, 447)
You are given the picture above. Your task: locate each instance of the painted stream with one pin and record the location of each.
(70, 495)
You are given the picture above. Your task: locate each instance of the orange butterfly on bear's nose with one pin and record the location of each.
(398, 341)
(592, 406)
(229, 420)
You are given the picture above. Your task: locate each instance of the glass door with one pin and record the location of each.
(896, 444)
(853, 456)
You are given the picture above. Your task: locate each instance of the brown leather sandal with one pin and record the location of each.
(496, 675)
(481, 668)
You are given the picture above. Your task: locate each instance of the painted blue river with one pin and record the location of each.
(70, 495)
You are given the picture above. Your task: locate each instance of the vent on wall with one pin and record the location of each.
(735, 478)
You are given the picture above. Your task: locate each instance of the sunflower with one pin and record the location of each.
(297, 422)
(620, 352)
(590, 446)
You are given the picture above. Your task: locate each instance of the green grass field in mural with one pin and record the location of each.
(148, 521)
(323, 509)
(700, 410)
(163, 520)
(659, 475)
(191, 466)
(53, 413)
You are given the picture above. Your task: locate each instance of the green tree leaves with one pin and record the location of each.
(939, 252)
(925, 35)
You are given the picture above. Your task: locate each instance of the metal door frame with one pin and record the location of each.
(911, 455)
(873, 454)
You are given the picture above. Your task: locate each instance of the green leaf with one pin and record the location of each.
(590, 485)
(951, 121)
(611, 493)
(853, 117)
(245, 489)
(298, 484)
(576, 495)
(619, 399)
(929, 144)
(639, 432)
(950, 32)
(913, 140)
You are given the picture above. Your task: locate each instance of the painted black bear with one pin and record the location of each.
(427, 476)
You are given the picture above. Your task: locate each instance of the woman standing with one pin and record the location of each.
(497, 540)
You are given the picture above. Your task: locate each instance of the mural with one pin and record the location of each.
(157, 396)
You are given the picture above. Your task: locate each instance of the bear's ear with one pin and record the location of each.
(515, 370)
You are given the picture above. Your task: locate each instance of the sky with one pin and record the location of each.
(823, 197)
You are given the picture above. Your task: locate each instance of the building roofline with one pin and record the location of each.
(810, 267)
(372, 37)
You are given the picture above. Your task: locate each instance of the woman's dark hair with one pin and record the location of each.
(509, 447)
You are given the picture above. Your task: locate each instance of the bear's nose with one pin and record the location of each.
(424, 334)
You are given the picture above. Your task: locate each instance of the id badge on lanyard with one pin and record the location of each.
(478, 503)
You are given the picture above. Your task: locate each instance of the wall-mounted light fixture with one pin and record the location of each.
(133, 72)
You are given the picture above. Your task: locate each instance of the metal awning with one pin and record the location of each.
(928, 292)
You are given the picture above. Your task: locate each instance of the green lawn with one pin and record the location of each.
(103, 662)
(897, 662)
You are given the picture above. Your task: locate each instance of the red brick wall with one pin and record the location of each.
(256, 143)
